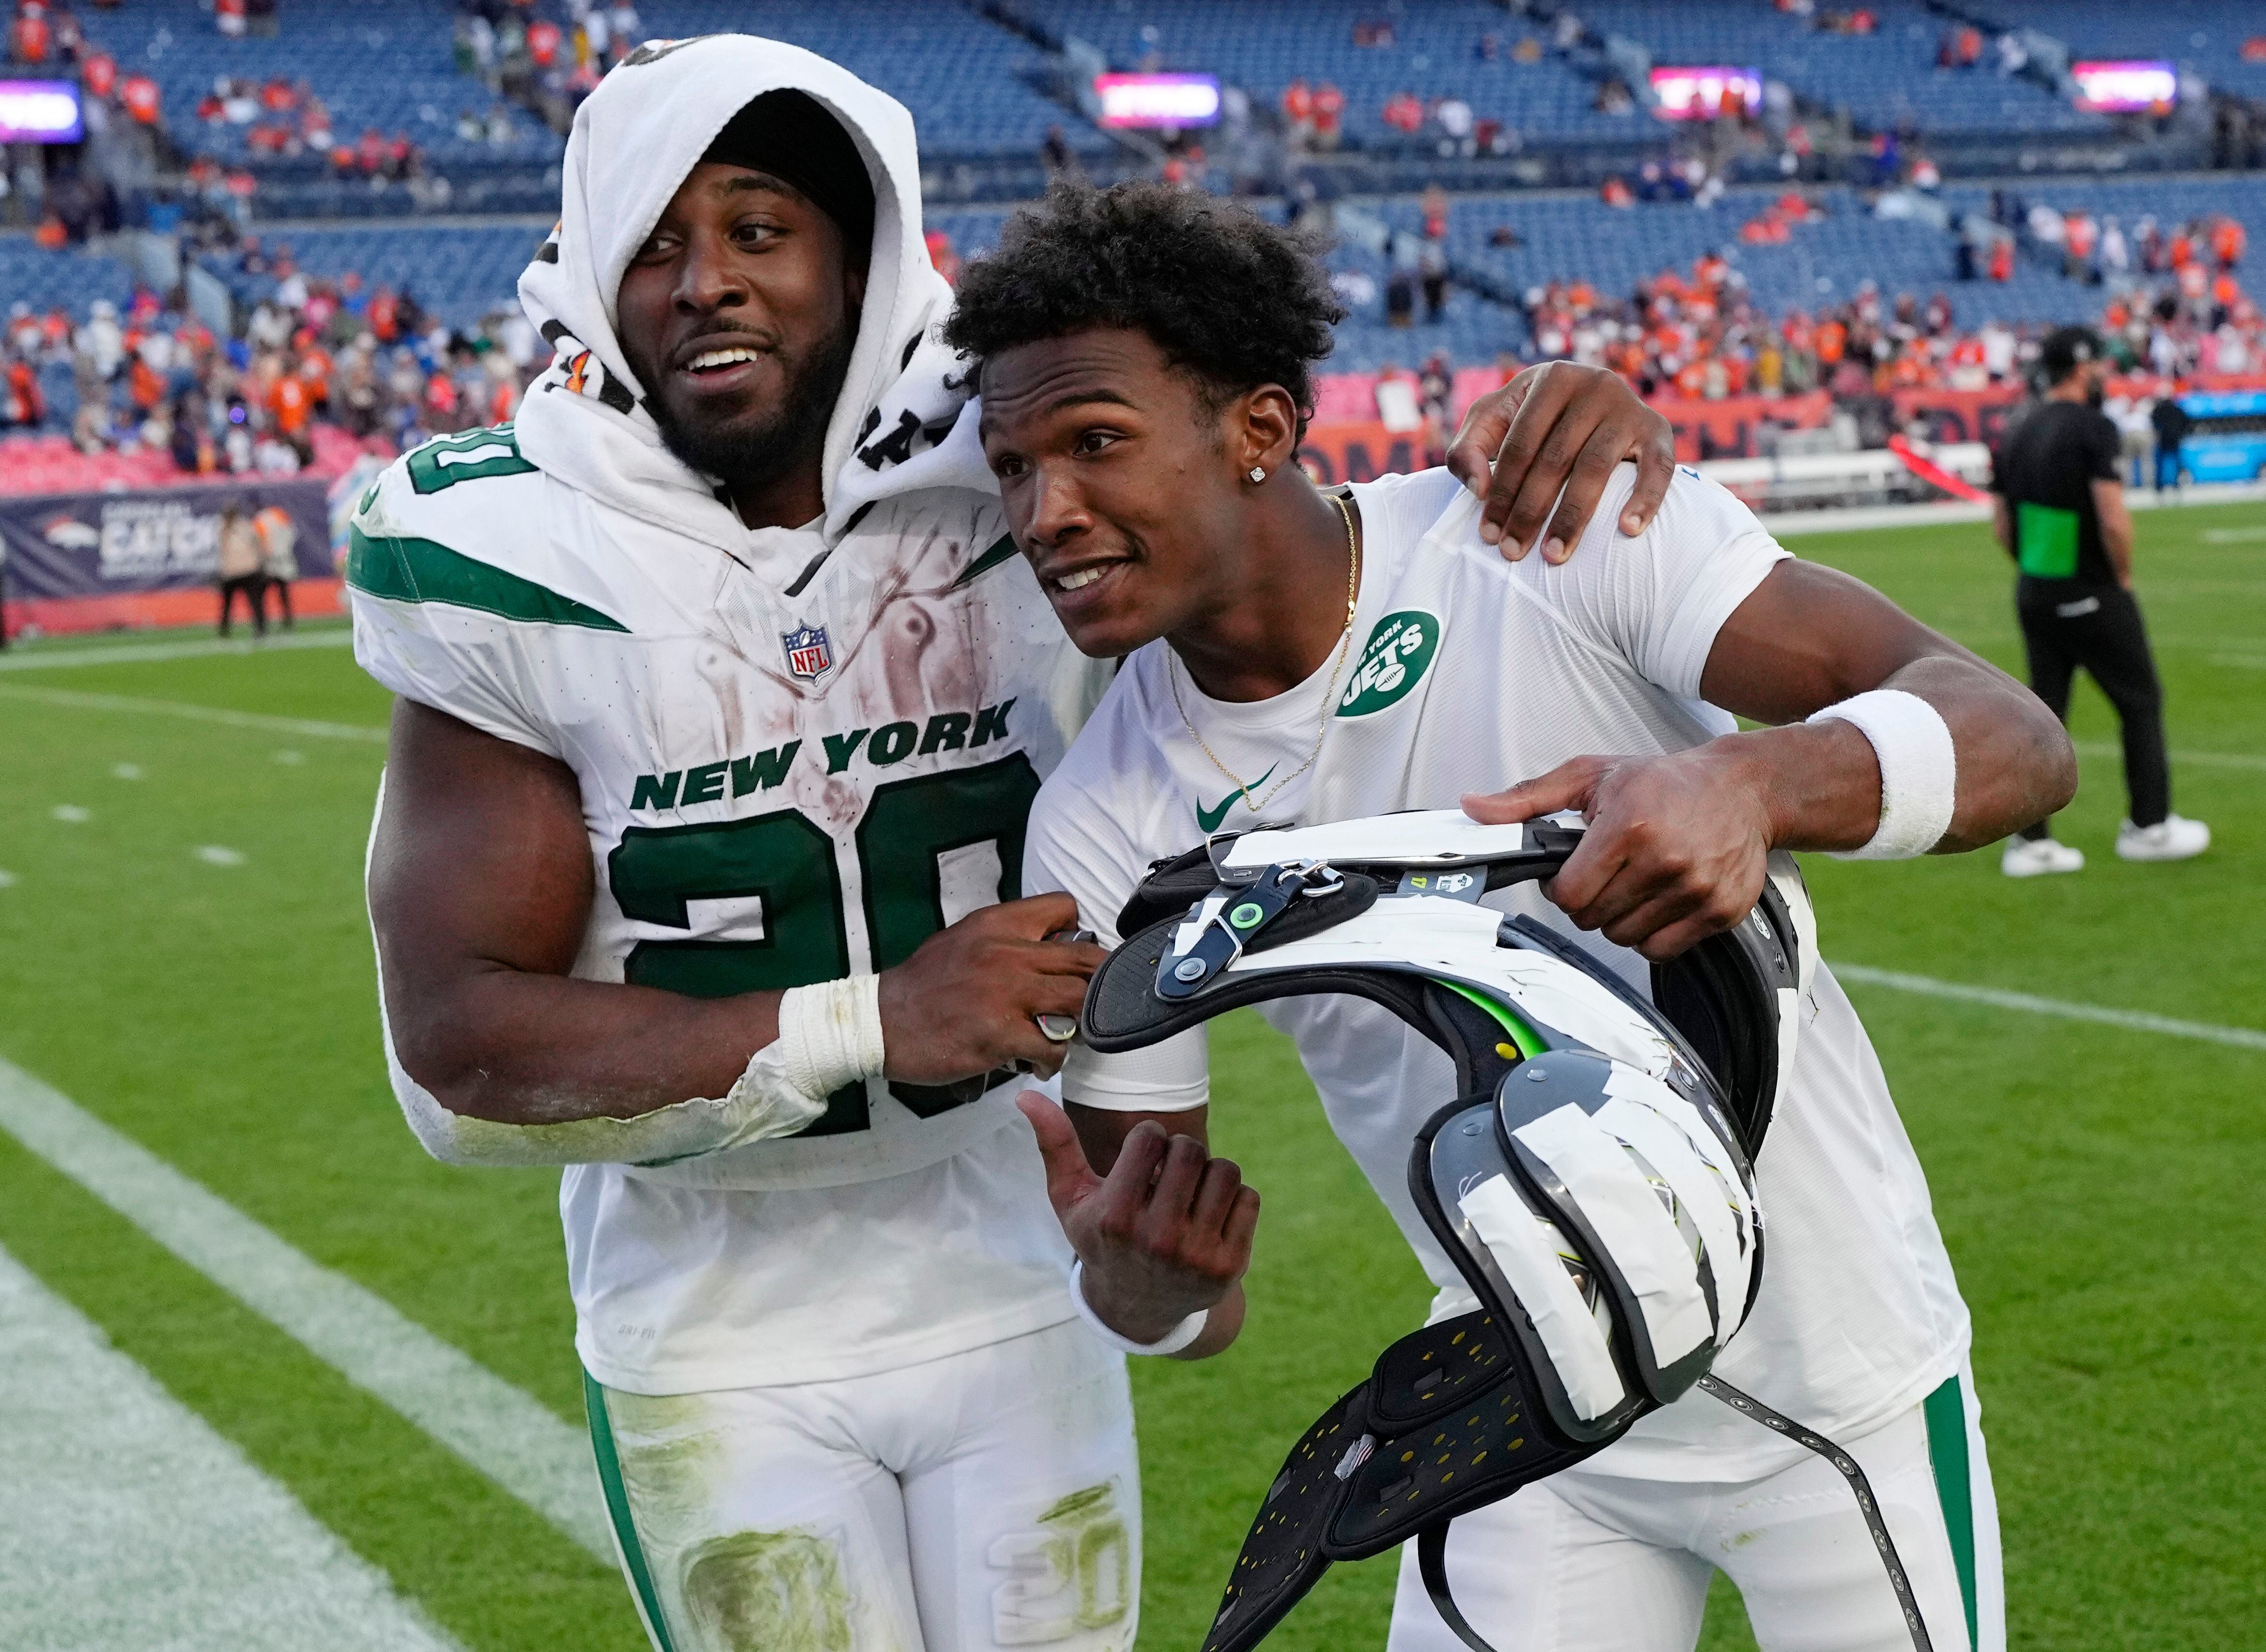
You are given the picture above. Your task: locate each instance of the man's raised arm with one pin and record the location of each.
(480, 889)
(1676, 844)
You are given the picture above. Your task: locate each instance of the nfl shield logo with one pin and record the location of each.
(809, 655)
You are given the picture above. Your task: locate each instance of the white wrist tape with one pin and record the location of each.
(830, 1034)
(1171, 1343)
(1920, 771)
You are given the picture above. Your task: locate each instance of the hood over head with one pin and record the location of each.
(898, 426)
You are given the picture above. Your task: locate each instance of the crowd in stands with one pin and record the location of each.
(363, 359)
(547, 57)
(370, 364)
(1696, 335)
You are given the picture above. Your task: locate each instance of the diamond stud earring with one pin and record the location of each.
(1258, 474)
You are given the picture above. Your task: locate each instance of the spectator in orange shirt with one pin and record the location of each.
(30, 38)
(2228, 239)
(144, 387)
(1330, 115)
(23, 403)
(315, 369)
(139, 94)
(1298, 110)
(442, 401)
(943, 256)
(292, 403)
(1832, 339)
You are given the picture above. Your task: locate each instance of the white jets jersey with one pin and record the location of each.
(795, 765)
(1467, 673)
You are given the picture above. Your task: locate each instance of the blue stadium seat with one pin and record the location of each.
(70, 279)
(382, 63)
(2205, 36)
(459, 272)
(1434, 53)
(967, 80)
(1886, 79)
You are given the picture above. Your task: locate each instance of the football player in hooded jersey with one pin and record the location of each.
(1298, 656)
(723, 696)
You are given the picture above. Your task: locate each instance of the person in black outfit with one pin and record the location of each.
(2172, 424)
(2059, 510)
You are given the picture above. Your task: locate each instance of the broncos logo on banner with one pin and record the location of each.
(577, 371)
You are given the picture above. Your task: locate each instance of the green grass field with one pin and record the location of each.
(187, 959)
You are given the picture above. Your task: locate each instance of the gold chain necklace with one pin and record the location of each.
(1329, 694)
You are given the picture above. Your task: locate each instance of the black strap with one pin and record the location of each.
(1432, 1563)
(1867, 1504)
(1432, 1541)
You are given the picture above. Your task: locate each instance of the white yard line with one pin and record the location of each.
(2132, 1020)
(129, 1523)
(132, 653)
(72, 699)
(498, 1429)
(2201, 759)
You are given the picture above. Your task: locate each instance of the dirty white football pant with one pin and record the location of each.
(989, 1498)
(1592, 1562)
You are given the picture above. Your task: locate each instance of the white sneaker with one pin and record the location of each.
(2172, 838)
(2035, 857)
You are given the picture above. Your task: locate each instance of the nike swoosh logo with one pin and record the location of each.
(1002, 549)
(1209, 819)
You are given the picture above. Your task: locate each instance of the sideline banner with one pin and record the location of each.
(1954, 416)
(1731, 429)
(77, 545)
(1351, 452)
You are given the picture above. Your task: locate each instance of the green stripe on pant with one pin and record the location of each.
(617, 1506)
(1946, 1411)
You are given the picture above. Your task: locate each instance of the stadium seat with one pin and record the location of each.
(382, 63)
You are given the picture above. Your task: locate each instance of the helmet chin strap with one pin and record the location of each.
(1593, 1178)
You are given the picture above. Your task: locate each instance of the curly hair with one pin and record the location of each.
(1233, 301)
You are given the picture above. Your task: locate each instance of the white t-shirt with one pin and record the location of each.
(796, 762)
(1469, 674)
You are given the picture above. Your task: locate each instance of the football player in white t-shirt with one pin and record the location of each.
(1292, 655)
(723, 699)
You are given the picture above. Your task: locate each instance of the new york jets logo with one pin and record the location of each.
(1394, 659)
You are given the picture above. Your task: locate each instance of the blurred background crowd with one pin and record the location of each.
(280, 234)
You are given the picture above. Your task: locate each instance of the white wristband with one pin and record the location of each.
(1171, 1343)
(830, 1035)
(1920, 771)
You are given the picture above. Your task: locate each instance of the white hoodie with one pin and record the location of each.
(801, 751)
(634, 140)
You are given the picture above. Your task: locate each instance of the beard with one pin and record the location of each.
(759, 446)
